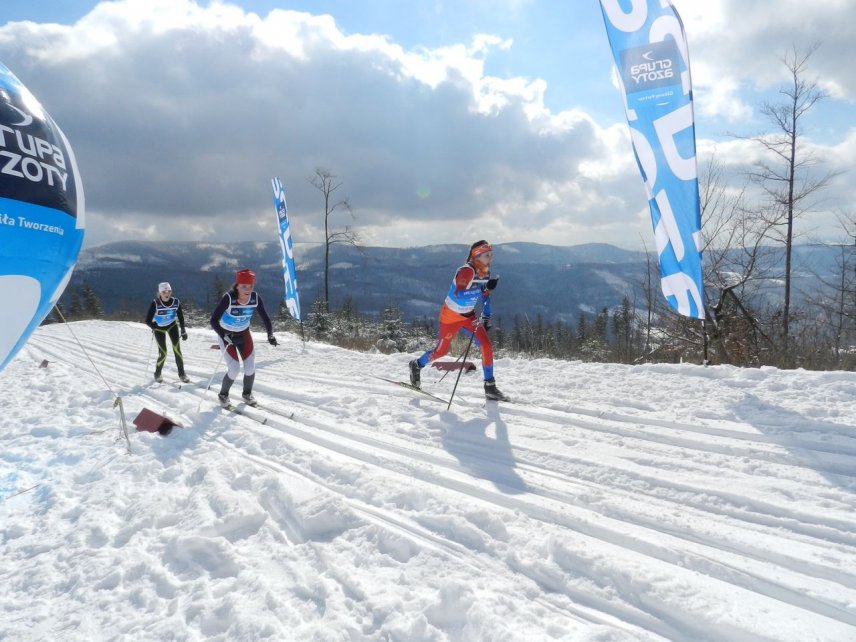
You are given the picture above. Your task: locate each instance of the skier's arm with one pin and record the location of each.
(217, 313)
(180, 318)
(485, 305)
(464, 278)
(150, 316)
(264, 315)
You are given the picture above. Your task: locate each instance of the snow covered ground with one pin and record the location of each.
(613, 503)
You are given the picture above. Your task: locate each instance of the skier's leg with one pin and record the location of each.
(444, 340)
(445, 335)
(482, 340)
(233, 368)
(248, 354)
(160, 339)
(175, 338)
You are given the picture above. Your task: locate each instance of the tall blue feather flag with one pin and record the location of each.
(649, 47)
(289, 275)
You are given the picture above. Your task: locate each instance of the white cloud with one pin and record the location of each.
(180, 115)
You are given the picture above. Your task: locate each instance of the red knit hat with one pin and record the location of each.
(245, 277)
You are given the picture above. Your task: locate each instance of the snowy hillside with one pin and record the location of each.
(611, 504)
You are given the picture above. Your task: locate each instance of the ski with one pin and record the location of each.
(410, 386)
(281, 413)
(243, 410)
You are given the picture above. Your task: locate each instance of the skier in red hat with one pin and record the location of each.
(470, 287)
(231, 321)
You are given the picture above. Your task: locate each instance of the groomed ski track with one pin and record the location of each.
(623, 518)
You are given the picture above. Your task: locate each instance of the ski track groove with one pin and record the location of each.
(560, 419)
(683, 553)
(553, 418)
(834, 530)
(457, 551)
(831, 525)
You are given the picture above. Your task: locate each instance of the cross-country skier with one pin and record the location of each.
(166, 318)
(470, 287)
(231, 321)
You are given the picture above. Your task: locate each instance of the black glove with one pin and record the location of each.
(486, 324)
(184, 335)
(272, 340)
(492, 283)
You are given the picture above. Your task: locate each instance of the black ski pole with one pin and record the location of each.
(456, 361)
(466, 352)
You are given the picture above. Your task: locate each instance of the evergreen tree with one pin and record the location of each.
(596, 345)
(319, 321)
(582, 329)
(75, 309)
(623, 329)
(220, 287)
(91, 304)
(393, 334)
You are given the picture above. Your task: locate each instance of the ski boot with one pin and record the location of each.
(184, 378)
(158, 377)
(224, 390)
(415, 378)
(248, 397)
(492, 392)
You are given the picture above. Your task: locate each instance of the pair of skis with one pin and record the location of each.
(245, 410)
(410, 386)
(249, 410)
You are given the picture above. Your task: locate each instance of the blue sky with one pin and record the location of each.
(443, 120)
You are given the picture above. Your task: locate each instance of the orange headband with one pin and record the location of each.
(481, 249)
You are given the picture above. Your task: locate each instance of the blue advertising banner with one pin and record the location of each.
(649, 47)
(41, 213)
(289, 275)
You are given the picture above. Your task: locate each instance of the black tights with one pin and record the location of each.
(174, 337)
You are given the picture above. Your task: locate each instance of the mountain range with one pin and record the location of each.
(554, 282)
(557, 283)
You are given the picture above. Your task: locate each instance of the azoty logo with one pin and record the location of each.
(31, 157)
(656, 64)
(33, 162)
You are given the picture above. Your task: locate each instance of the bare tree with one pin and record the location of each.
(325, 182)
(787, 179)
(840, 307)
(647, 287)
(734, 265)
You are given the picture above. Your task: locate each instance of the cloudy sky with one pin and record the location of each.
(443, 120)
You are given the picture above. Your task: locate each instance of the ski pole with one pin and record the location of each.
(149, 352)
(456, 361)
(466, 352)
(216, 368)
